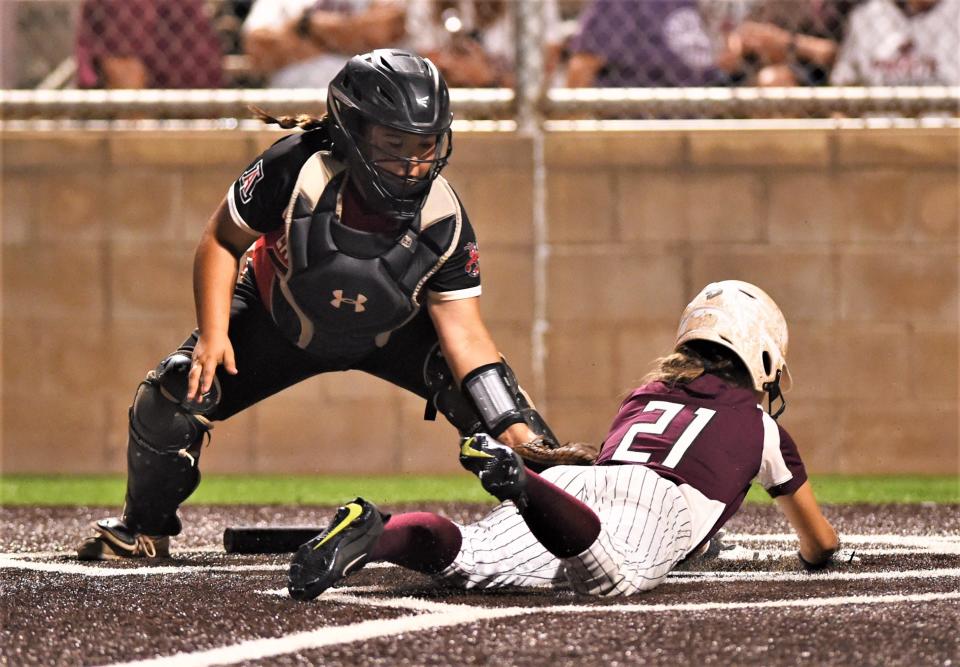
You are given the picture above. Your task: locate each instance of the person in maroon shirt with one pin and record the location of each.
(147, 44)
(674, 467)
(363, 258)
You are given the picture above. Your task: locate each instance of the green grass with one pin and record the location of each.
(847, 489)
(276, 490)
(246, 489)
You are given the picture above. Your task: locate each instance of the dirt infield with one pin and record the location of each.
(897, 603)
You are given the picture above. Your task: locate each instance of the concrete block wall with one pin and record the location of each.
(855, 233)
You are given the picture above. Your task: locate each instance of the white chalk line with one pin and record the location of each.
(258, 649)
(927, 542)
(96, 571)
(811, 577)
(450, 615)
(898, 545)
(765, 604)
(341, 594)
(18, 562)
(740, 553)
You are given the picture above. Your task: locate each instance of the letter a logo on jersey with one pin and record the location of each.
(248, 181)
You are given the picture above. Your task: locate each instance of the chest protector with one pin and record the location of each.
(344, 290)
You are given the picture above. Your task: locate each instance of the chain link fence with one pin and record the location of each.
(563, 60)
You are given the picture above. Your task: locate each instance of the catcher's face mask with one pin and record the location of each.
(404, 162)
(391, 125)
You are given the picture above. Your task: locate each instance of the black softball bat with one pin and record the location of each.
(273, 540)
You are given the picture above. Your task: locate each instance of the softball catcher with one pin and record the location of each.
(354, 231)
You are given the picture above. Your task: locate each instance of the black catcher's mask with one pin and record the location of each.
(399, 90)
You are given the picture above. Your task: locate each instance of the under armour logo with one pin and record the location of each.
(338, 298)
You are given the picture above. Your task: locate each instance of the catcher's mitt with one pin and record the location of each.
(541, 453)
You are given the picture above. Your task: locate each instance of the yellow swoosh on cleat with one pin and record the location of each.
(353, 511)
(466, 449)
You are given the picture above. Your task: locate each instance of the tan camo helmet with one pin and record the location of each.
(745, 319)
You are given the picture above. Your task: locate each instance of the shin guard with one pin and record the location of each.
(163, 450)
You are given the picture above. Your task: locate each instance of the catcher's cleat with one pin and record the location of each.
(336, 552)
(500, 469)
(115, 541)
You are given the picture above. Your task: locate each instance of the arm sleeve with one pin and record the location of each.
(87, 47)
(552, 24)
(782, 471)
(459, 277)
(844, 72)
(272, 14)
(258, 199)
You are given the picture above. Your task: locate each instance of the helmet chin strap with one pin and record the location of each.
(774, 393)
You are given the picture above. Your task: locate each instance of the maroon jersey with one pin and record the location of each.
(709, 438)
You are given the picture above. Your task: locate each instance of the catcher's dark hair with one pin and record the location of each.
(695, 358)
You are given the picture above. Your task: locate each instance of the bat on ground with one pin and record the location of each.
(273, 540)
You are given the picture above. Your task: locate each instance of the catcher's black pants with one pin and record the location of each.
(158, 480)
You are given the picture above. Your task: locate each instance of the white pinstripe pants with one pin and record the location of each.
(645, 529)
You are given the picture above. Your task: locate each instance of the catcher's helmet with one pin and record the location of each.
(399, 90)
(743, 318)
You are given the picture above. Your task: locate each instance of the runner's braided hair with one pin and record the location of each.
(695, 358)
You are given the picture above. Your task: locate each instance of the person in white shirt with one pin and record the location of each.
(304, 43)
(474, 42)
(901, 43)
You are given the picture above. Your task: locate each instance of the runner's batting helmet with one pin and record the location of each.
(743, 318)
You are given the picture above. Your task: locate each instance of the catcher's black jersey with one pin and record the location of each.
(296, 194)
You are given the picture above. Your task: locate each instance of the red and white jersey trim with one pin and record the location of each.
(456, 295)
(236, 217)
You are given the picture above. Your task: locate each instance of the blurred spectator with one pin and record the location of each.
(473, 43)
(304, 43)
(785, 43)
(642, 43)
(146, 44)
(228, 21)
(901, 43)
(8, 53)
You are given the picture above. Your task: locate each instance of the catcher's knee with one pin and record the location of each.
(490, 400)
(162, 420)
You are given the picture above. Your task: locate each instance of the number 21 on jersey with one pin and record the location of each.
(668, 412)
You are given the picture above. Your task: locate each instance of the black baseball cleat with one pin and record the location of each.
(336, 552)
(500, 469)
